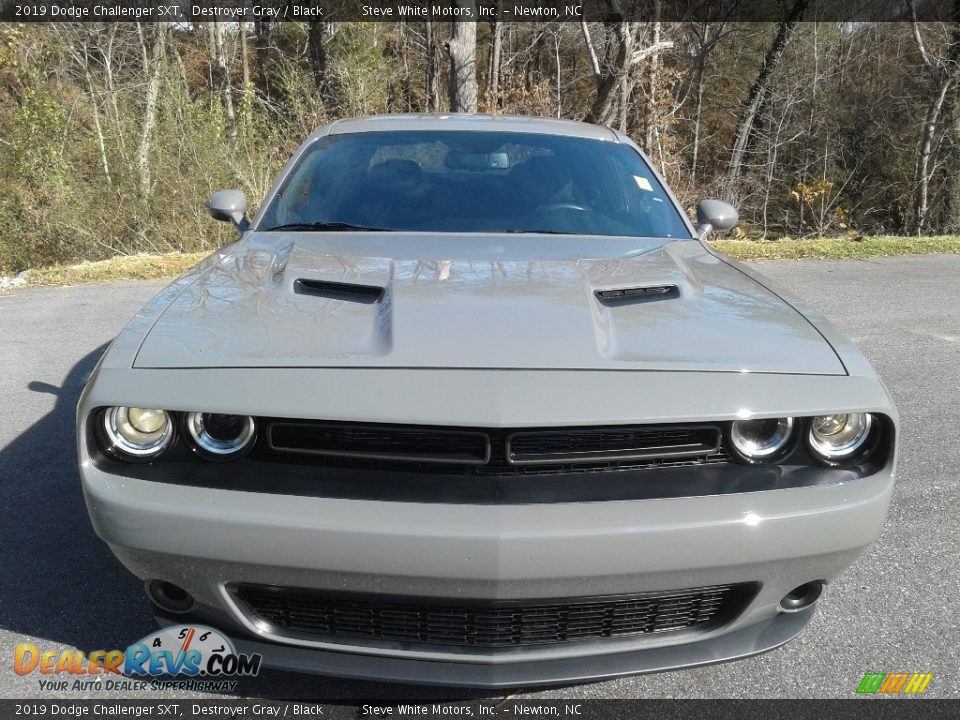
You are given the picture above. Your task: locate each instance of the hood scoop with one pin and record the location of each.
(349, 292)
(632, 295)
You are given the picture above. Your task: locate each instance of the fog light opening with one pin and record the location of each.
(170, 597)
(802, 597)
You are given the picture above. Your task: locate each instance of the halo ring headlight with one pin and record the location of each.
(219, 436)
(138, 433)
(838, 438)
(761, 440)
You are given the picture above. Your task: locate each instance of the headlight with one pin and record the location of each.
(761, 440)
(137, 432)
(217, 436)
(836, 438)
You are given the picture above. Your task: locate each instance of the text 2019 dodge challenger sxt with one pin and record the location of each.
(470, 402)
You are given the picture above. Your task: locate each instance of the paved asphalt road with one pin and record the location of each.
(897, 609)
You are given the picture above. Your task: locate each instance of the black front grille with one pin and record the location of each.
(491, 624)
(611, 444)
(491, 452)
(379, 443)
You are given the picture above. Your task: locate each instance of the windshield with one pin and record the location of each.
(495, 182)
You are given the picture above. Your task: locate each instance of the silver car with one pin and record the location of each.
(470, 402)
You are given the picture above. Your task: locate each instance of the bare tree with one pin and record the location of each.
(317, 33)
(153, 67)
(433, 69)
(652, 119)
(220, 73)
(943, 73)
(707, 35)
(760, 88)
(244, 61)
(261, 48)
(80, 50)
(494, 74)
(614, 73)
(463, 62)
(847, 127)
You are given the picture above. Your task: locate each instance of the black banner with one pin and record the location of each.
(493, 709)
(189, 11)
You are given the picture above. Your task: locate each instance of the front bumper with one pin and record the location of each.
(205, 540)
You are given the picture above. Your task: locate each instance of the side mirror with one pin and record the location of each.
(229, 206)
(715, 215)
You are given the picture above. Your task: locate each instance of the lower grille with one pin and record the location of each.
(491, 624)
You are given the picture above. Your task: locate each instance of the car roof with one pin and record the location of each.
(469, 122)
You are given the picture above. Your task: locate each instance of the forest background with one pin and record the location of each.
(113, 135)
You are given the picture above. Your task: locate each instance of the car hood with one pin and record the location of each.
(534, 302)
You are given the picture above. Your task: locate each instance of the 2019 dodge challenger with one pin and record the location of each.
(471, 402)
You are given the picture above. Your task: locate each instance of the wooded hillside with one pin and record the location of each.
(112, 135)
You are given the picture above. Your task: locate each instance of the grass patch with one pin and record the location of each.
(156, 267)
(841, 248)
(124, 267)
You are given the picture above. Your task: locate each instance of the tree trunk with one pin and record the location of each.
(245, 62)
(82, 58)
(652, 118)
(463, 63)
(697, 116)
(433, 70)
(261, 47)
(317, 53)
(150, 109)
(953, 200)
(607, 75)
(111, 91)
(944, 72)
(926, 154)
(594, 62)
(626, 90)
(614, 74)
(495, 61)
(99, 128)
(221, 77)
(758, 91)
(556, 55)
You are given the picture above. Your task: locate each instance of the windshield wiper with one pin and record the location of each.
(325, 227)
(540, 232)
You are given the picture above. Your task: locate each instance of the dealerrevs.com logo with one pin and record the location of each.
(188, 650)
(201, 658)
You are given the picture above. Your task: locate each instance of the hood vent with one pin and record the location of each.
(627, 296)
(366, 294)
